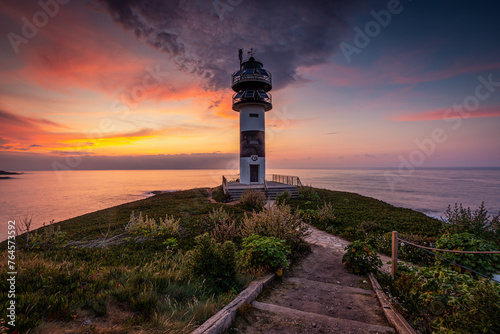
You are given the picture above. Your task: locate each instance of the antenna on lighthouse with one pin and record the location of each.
(240, 55)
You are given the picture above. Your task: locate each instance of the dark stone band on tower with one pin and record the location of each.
(252, 143)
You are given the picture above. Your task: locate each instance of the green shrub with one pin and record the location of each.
(171, 244)
(253, 200)
(441, 300)
(477, 222)
(283, 198)
(47, 237)
(407, 252)
(267, 252)
(353, 233)
(361, 258)
(214, 262)
(323, 217)
(477, 310)
(486, 264)
(218, 215)
(308, 193)
(219, 196)
(364, 231)
(279, 222)
(148, 227)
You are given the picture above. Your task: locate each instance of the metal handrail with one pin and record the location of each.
(286, 179)
(231, 178)
(245, 77)
(255, 98)
(224, 185)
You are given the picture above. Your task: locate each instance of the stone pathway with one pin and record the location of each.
(324, 239)
(317, 296)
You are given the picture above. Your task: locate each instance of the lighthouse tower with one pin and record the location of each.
(252, 84)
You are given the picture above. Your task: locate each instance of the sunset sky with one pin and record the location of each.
(136, 84)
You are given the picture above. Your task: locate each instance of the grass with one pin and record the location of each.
(353, 212)
(106, 281)
(433, 299)
(126, 287)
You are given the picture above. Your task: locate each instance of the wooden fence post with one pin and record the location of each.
(394, 253)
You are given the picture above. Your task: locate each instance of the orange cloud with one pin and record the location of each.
(29, 133)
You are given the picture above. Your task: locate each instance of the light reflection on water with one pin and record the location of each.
(42, 195)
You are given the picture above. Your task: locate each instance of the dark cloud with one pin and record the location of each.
(203, 39)
(370, 156)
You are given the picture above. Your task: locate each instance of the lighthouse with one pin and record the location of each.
(252, 84)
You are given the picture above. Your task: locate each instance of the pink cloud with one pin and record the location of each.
(83, 57)
(395, 67)
(442, 113)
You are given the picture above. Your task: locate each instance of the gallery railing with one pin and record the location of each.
(286, 179)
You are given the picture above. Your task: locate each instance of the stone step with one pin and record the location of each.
(328, 299)
(318, 321)
(328, 286)
(272, 193)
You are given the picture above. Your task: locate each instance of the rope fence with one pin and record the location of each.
(395, 247)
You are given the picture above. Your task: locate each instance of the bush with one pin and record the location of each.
(440, 300)
(462, 220)
(277, 221)
(148, 227)
(283, 198)
(268, 252)
(323, 217)
(219, 196)
(308, 193)
(361, 258)
(477, 310)
(171, 244)
(225, 231)
(407, 252)
(253, 200)
(222, 227)
(486, 264)
(47, 237)
(214, 262)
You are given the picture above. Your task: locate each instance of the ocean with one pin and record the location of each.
(47, 195)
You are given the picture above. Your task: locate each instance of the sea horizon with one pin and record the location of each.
(46, 195)
(288, 168)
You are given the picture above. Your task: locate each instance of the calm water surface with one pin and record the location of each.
(44, 196)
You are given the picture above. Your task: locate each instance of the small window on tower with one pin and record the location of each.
(254, 115)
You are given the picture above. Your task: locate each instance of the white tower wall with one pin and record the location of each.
(251, 84)
(252, 150)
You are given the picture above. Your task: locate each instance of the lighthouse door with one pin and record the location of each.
(254, 173)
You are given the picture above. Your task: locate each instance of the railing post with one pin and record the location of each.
(394, 253)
